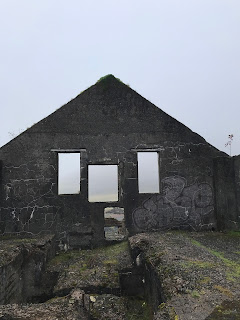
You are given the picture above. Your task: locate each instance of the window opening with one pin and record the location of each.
(102, 183)
(114, 224)
(68, 173)
(148, 172)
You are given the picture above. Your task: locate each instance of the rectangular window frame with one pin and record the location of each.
(118, 193)
(158, 173)
(68, 151)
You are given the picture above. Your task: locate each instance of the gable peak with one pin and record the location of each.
(109, 78)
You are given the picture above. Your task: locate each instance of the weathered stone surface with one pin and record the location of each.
(227, 192)
(166, 276)
(72, 307)
(22, 265)
(197, 271)
(108, 123)
(228, 310)
(95, 271)
(99, 272)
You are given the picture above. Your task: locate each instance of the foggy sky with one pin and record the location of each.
(183, 56)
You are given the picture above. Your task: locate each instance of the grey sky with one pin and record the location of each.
(102, 183)
(184, 56)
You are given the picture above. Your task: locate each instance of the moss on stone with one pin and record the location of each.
(137, 309)
(63, 257)
(195, 294)
(233, 268)
(204, 280)
(198, 264)
(223, 290)
(226, 311)
(110, 262)
(233, 233)
(109, 77)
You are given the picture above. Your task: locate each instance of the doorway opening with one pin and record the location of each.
(114, 224)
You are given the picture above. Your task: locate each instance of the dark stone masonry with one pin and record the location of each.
(22, 266)
(109, 124)
(73, 245)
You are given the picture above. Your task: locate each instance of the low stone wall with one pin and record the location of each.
(227, 192)
(22, 266)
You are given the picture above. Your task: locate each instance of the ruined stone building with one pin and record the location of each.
(111, 128)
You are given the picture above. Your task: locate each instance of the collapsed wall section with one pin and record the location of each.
(22, 266)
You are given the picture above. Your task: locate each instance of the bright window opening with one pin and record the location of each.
(68, 173)
(148, 172)
(102, 183)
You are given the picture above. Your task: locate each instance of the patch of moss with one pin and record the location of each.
(17, 240)
(168, 312)
(198, 264)
(113, 250)
(110, 262)
(233, 233)
(64, 257)
(137, 309)
(197, 244)
(92, 260)
(234, 268)
(84, 267)
(226, 311)
(162, 306)
(108, 77)
(205, 280)
(223, 290)
(195, 294)
(155, 257)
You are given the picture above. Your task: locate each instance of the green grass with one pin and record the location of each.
(197, 244)
(233, 233)
(198, 264)
(92, 256)
(113, 250)
(205, 280)
(195, 294)
(18, 240)
(223, 290)
(110, 262)
(86, 265)
(64, 257)
(233, 271)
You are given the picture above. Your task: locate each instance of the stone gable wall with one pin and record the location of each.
(109, 123)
